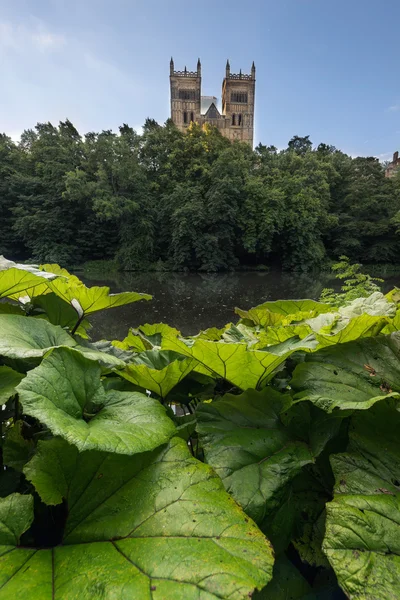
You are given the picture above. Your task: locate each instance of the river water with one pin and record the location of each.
(192, 302)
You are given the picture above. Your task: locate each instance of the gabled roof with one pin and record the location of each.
(213, 112)
(206, 102)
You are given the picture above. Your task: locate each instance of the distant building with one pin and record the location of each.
(235, 121)
(394, 166)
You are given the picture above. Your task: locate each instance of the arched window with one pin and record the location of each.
(233, 119)
(185, 117)
(191, 117)
(240, 120)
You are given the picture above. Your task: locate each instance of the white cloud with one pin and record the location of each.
(50, 76)
(385, 156)
(27, 37)
(394, 108)
(46, 41)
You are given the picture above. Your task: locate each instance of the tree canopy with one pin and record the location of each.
(190, 201)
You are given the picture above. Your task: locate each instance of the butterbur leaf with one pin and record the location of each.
(158, 370)
(132, 343)
(105, 353)
(283, 311)
(355, 375)
(251, 450)
(350, 330)
(15, 282)
(23, 337)
(157, 525)
(60, 272)
(90, 300)
(362, 540)
(16, 515)
(59, 312)
(11, 309)
(9, 379)
(146, 337)
(233, 362)
(16, 449)
(65, 393)
(154, 332)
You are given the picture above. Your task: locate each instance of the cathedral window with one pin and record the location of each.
(191, 117)
(239, 97)
(187, 95)
(240, 120)
(185, 117)
(233, 119)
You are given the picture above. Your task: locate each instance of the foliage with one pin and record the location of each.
(356, 284)
(256, 459)
(165, 200)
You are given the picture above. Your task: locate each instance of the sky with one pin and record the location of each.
(327, 69)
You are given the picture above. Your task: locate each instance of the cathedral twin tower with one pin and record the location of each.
(236, 122)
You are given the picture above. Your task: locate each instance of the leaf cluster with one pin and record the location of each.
(256, 460)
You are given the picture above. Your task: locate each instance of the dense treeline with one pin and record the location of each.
(192, 201)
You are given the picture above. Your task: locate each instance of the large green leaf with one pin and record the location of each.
(23, 337)
(6, 308)
(89, 300)
(350, 376)
(16, 449)
(65, 393)
(15, 282)
(146, 337)
(155, 526)
(362, 540)
(158, 370)
(16, 515)
(283, 311)
(9, 379)
(234, 362)
(249, 447)
(59, 312)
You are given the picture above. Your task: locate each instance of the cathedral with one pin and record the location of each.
(235, 121)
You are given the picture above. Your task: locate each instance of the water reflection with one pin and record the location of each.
(194, 301)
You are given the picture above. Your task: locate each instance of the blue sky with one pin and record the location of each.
(328, 69)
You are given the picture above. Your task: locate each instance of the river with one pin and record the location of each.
(192, 302)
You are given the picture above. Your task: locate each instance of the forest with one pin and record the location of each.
(167, 201)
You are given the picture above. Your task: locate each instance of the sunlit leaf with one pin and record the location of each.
(59, 312)
(234, 362)
(350, 376)
(65, 394)
(23, 337)
(89, 300)
(158, 370)
(16, 282)
(283, 311)
(155, 525)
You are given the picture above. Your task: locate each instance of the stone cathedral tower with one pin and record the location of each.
(236, 121)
